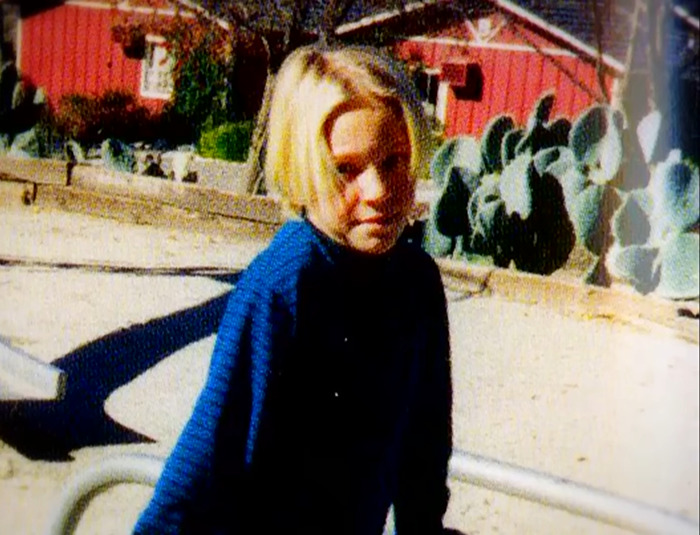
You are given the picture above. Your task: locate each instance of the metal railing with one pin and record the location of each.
(141, 469)
(24, 377)
(567, 495)
(555, 492)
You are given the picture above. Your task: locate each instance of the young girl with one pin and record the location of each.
(329, 395)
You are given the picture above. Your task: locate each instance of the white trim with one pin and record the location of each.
(170, 12)
(158, 39)
(441, 101)
(124, 6)
(615, 96)
(560, 34)
(475, 33)
(196, 7)
(485, 37)
(88, 4)
(493, 46)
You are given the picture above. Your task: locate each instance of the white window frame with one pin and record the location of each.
(441, 104)
(433, 82)
(155, 44)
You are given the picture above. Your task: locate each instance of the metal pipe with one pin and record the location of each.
(141, 469)
(473, 469)
(567, 495)
(28, 377)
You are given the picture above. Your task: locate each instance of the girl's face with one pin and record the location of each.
(370, 148)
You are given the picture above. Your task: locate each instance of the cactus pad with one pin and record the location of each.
(636, 265)
(680, 264)
(596, 142)
(492, 140)
(675, 187)
(631, 223)
(516, 186)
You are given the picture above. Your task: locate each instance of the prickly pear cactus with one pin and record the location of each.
(512, 204)
(542, 111)
(118, 156)
(460, 151)
(435, 243)
(455, 168)
(679, 261)
(8, 82)
(596, 141)
(509, 145)
(675, 187)
(586, 170)
(489, 222)
(636, 264)
(631, 222)
(20, 104)
(531, 193)
(451, 210)
(537, 134)
(492, 140)
(656, 246)
(74, 151)
(25, 144)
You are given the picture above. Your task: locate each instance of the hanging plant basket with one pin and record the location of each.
(132, 39)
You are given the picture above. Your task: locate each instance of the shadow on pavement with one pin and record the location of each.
(50, 430)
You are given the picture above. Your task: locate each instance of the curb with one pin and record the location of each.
(573, 298)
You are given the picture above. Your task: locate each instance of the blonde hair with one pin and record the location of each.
(311, 86)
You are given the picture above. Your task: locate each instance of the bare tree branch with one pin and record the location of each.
(599, 29)
(656, 21)
(635, 28)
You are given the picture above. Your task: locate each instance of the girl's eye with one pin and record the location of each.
(347, 169)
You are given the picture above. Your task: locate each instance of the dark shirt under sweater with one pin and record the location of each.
(328, 399)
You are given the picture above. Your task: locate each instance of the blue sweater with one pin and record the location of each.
(328, 399)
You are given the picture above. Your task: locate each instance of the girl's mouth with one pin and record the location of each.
(383, 219)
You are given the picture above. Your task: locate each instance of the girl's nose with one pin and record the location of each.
(373, 185)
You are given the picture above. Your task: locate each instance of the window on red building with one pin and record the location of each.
(156, 69)
(427, 82)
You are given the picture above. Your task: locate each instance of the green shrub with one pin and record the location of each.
(203, 94)
(77, 117)
(229, 141)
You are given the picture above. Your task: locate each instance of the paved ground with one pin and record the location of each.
(130, 313)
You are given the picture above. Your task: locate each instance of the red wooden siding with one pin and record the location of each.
(68, 49)
(514, 75)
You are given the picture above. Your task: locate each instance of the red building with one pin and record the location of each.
(69, 48)
(502, 59)
(476, 58)
(481, 58)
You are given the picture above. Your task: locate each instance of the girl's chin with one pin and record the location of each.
(374, 238)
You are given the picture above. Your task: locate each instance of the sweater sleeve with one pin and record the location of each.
(216, 444)
(422, 496)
